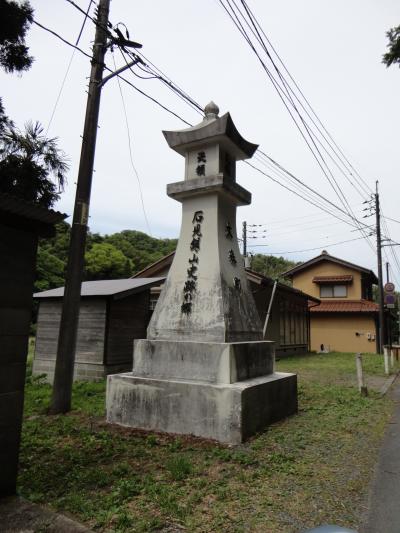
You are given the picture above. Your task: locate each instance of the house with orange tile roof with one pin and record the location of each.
(346, 320)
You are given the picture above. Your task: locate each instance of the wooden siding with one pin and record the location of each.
(288, 322)
(91, 330)
(127, 320)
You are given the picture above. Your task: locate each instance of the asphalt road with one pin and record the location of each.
(384, 504)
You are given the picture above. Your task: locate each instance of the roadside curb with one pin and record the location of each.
(388, 383)
(18, 515)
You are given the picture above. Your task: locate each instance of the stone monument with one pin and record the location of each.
(204, 368)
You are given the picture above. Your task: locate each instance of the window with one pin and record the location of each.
(153, 302)
(333, 291)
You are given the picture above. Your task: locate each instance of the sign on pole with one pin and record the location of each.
(390, 301)
(389, 287)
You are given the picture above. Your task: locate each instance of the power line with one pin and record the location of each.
(369, 190)
(69, 66)
(95, 22)
(363, 184)
(307, 249)
(119, 76)
(284, 94)
(283, 171)
(393, 220)
(61, 38)
(307, 187)
(130, 153)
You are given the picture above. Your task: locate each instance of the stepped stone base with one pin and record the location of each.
(226, 412)
(212, 362)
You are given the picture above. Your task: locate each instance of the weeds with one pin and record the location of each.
(297, 471)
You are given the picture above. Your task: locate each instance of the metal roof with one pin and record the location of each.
(109, 287)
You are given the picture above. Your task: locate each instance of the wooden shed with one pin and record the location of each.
(289, 321)
(112, 314)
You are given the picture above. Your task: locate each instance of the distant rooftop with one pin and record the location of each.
(324, 256)
(109, 287)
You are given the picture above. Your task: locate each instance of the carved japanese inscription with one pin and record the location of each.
(189, 288)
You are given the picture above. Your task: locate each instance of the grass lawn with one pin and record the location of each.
(310, 469)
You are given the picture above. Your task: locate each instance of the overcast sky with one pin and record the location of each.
(333, 49)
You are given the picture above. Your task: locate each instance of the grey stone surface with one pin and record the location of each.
(212, 128)
(209, 362)
(220, 312)
(228, 413)
(20, 516)
(219, 184)
(204, 368)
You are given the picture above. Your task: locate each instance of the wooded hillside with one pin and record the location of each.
(120, 255)
(114, 256)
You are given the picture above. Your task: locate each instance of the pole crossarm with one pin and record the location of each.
(119, 71)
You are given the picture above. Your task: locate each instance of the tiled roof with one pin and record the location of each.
(345, 306)
(345, 278)
(325, 257)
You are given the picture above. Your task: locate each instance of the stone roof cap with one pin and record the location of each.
(212, 128)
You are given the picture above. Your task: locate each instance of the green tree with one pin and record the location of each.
(15, 19)
(31, 166)
(27, 162)
(105, 261)
(393, 55)
(271, 266)
(140, 248)
(49, 271)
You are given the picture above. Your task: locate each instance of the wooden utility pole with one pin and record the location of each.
(380, 275)
(64, 370)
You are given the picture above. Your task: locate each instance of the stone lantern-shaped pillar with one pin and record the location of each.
(204, 368)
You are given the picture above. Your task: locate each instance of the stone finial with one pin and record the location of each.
(211, 110)
(324, 252)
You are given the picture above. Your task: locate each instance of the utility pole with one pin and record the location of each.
(244, 236)
(64, 369)
(398, 317)
(380, 275)
(389, 315)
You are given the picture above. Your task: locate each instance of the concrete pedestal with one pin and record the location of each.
(222, 391)
(228, 413)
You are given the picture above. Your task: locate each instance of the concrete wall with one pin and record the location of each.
(17, 267)
(338, 332)
(304, 280)
(90, 342)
